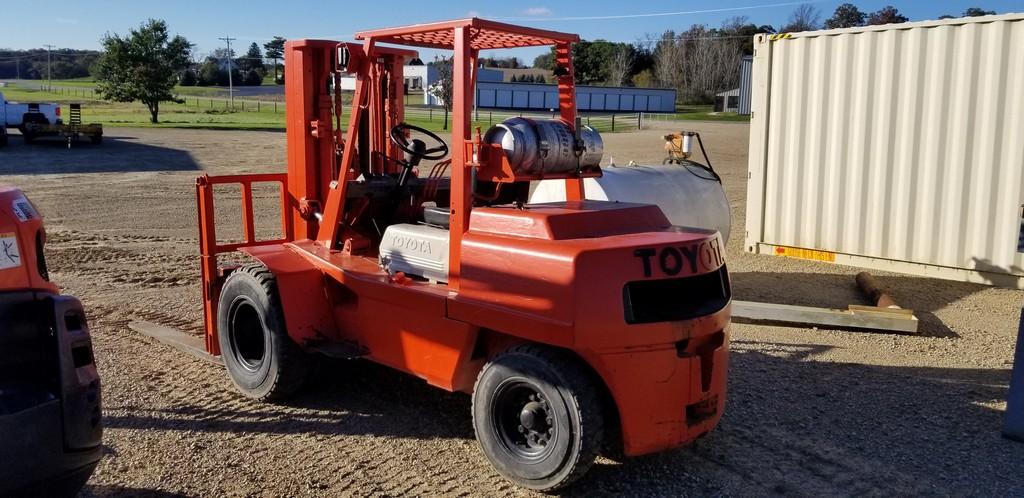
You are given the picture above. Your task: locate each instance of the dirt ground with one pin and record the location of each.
(810, 411)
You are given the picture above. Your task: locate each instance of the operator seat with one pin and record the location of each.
(438, 216)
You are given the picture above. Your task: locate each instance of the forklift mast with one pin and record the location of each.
(318, 151)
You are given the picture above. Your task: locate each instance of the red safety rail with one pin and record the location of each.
(209, 248)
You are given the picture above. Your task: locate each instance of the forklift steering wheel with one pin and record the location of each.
(398, 136)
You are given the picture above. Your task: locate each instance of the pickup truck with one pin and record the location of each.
(17, 115)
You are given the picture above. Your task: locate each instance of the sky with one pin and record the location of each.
(82, 23)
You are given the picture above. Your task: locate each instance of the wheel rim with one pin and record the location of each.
(246, 333)
(523, 420)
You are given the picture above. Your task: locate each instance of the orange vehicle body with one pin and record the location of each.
(555, 274)
(50, 395)
(20, 225)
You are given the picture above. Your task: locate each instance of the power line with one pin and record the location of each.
(231, 84)
(49, 82)
(653, 14)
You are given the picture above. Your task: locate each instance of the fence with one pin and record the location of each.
(605, 122)
(199, 102)
(600, 122)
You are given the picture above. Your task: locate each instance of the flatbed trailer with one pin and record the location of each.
(72, 131)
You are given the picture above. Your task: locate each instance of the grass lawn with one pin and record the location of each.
(188, 115)
(204, 113)
(704, 113)
(89, 83)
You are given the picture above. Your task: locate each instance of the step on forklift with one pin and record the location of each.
(578, 327)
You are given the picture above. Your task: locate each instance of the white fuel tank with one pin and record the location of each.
(688, 194)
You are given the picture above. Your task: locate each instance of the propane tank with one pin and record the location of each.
(689, 194)
(543, 146)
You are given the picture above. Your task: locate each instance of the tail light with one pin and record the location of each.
(58, 111)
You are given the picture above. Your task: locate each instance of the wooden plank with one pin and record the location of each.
(192, 344)
(875, 319)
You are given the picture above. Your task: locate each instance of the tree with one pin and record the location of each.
(846, 15)
(978, 12)
(742, 29)
(253, 60)
(804, 18)
(142, 66)
(188, 78)
(620, 65)
(210, 74)
(275, 50)
(442, 88)
(668, 61)
(253, 78)
(711, 64)
(545, 61)
(886, 15)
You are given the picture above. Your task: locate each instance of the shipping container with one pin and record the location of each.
(896, 147)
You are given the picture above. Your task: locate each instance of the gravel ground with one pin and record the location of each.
(810, 411)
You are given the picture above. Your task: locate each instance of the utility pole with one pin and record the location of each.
(231, 84)
(49, 82)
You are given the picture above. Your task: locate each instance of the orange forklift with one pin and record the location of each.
(578, 327)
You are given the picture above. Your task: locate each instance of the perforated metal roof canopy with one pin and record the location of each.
(484, 35)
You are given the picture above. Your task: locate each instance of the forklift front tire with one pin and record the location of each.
(538, 417)
(262, 360)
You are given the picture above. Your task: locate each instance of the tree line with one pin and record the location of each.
(30, 64)
(702, 60)
(247, 70)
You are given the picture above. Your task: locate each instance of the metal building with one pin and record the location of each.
(895, 147)
(746, 74)
(728, 101)
(533, 96)
(422, 76)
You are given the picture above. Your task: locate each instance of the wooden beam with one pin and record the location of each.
(857, 317)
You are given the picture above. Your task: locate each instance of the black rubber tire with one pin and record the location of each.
(262, 360)
(577, 420)
(3, 138)
(96, 139)
(28, 137)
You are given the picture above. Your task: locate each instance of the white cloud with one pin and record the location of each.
(537, 11)
(473, 13)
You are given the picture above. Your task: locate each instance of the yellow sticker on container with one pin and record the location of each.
(812, 254)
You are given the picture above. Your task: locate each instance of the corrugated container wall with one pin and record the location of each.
(897, 147)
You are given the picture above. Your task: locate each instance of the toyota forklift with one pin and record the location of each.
(578, 327)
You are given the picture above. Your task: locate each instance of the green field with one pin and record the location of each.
(188, 115)
(704, 113)
(200, 111)
(90, 84)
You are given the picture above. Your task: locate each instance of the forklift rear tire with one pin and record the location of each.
(537, 416)
(262, 360)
